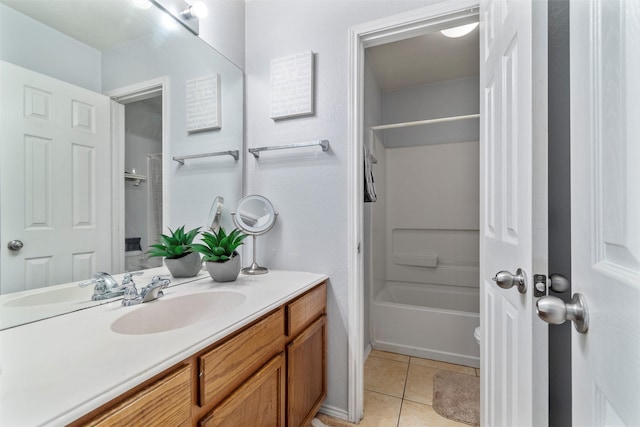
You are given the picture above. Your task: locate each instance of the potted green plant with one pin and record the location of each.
(178, 253)
(218, 250)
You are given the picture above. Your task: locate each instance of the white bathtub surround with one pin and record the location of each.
(428, 321)
(424, 253)
(425, 298)
(57, 370)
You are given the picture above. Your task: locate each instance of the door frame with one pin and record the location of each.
(119, 98)
(374, 33)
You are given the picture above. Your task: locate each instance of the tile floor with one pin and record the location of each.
(398, 390)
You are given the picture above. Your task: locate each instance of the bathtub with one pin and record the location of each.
(430, 321)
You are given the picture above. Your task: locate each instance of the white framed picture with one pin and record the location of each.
(203, 103)
(292, 85)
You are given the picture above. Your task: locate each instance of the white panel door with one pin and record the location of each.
(512, 339)
(605, 209)
(55, 185)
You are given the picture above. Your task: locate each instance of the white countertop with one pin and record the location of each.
(54, 371)
(19, 308)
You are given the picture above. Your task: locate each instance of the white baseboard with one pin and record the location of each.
(334, 412)
(367, 352)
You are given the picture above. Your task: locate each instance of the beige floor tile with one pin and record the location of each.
(380, 410)
(385, 376)
(443, 365)
(332, 422)
(392, 356)
(419, 386)
(418, 415)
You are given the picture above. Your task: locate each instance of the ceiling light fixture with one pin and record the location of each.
(459, 31)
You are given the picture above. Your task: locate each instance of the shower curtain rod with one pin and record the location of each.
(425, 122)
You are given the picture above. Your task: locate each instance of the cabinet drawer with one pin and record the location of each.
(259, 402)
(306, 309)
(166, 402)
(225, 367)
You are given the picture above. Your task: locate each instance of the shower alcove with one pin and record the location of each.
(421, 239)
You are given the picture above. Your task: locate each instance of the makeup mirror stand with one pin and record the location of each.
(254, 215)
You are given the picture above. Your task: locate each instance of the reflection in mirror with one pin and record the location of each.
(215, 214)
(255, 215)
(94, 95)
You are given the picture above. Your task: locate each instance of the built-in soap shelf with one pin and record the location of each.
(416, 260)
(136, 178)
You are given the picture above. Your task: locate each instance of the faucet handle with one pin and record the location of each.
(127, 279)
(88, 282)
(129, 275)
(103, 281)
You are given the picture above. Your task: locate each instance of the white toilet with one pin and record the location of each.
(476, 335)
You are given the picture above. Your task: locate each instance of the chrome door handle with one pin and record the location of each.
(553, 310)
(15, 245)
(507, 280)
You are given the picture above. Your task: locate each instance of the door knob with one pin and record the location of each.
(506, 280)
(15, 245)
(558, 283)
(555, 311)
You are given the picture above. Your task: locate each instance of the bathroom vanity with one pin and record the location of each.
(256, 357)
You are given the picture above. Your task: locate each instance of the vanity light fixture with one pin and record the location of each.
(459, 31)
(186, 14)
(197, 10)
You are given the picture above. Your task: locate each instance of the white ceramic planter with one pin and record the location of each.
(187, 266)
(225, 271)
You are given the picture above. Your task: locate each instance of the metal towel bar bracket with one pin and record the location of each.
(233, 153)
(323, 143)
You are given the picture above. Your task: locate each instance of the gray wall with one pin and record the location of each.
(456, 97)
(373, 245)
(559, 207)
(223, 28)
(308, 187)
(192, 186)
(30, 44)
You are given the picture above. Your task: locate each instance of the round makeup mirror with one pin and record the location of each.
(254, 215)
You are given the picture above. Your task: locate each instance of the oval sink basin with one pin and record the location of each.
(73, 294)
(174, 313)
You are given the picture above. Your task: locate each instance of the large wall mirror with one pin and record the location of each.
(98, 97)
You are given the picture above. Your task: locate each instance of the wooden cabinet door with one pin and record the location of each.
(228, 365)
(258, 402)
(306, 373)
(167, 402)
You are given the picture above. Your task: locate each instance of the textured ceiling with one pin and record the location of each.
(425, 59)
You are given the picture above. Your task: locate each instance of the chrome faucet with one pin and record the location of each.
(148, 293)
(107, 287)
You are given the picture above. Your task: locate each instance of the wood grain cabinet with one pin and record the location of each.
(272, 373)
(258, 402)
(306, 355)
(165, 402)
